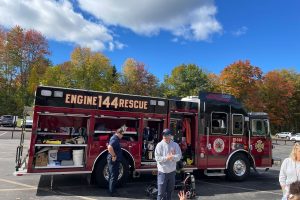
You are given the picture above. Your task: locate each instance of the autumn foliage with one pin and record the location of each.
(24, 65)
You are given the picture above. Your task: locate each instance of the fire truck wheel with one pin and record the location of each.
(102, 173)
(239, 168)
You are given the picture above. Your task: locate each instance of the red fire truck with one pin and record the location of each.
(71, 129)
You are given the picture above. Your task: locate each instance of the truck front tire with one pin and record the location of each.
(238, 168)
(102, 173)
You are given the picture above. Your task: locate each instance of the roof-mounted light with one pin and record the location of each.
(153, 102)
(58, 94)
(46, 93)
(161, 103)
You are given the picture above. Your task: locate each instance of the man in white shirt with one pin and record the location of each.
(167, 153)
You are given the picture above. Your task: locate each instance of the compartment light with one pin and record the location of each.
(153, 102)
(161, 103)
(58, 94)
(46, 93)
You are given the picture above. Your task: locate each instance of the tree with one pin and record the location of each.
(239, 79)
(25, 49)
(186, 80)
(276, 91)
(37, 72)
(92, 70)
(136, 79)
(214, 83)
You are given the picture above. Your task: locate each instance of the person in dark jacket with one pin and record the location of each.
(114, 158)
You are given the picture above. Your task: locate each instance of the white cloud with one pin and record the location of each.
(193, 19)
(241, 31)
(56, 20)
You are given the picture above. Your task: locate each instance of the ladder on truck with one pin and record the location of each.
(21, 164)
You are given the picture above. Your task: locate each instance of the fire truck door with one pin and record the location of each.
(260, 142)
(217, 139)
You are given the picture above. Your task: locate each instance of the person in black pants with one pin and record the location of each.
(114, 158)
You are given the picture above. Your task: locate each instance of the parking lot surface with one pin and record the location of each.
(261, 185)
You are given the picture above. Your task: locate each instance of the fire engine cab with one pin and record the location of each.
(71, 130)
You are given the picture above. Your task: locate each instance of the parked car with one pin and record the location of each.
(295, 137)
(28, 122)
(285, 135)
(8, 120)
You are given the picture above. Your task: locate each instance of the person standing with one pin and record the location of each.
(290, 170)
(114, 158)
(167, 153)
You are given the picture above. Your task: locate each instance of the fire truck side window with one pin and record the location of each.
(259, 127)
(219, 123)
(106, 126)
(237, 124)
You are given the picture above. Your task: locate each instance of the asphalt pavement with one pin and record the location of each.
(261, 185)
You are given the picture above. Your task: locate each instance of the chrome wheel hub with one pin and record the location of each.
(239, 167)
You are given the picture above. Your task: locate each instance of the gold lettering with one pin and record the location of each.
(94, 101)
(89, 100)
(140, 105)
(73, 98)
(115, 102)
(100, 101)
(106, 102)
(67, 100)
(84, 100)
(79, 99)
(130, 103)
(126, 103)
(136, 104)
(121, 103)
(145, 105)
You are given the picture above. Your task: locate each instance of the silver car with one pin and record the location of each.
(285, 135)
(295, 137)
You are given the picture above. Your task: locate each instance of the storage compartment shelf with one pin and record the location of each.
(126, 132)
(60, 145)
(51, 133)
(58, 167)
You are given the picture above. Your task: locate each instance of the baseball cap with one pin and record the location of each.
(167, 132)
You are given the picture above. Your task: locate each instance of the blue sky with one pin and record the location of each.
(165, 34)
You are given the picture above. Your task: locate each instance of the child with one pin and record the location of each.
(294, 193)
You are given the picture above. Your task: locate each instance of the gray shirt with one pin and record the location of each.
(161, 152)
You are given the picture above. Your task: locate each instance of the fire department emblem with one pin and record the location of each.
(218, 145)
(259, 146)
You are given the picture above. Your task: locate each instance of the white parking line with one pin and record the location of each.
(17, 183)
(3, 133)
(254, 190)
(16, 189)
(30, 187)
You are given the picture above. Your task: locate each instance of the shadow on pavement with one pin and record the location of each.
(77, 185)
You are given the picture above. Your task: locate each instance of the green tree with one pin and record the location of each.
(92, 70)
(136, 79)
(186, 80)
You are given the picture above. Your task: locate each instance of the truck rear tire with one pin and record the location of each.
(238, 168)
(102, 173)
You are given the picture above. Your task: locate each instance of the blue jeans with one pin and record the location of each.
(113, 168)
(165, 185)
